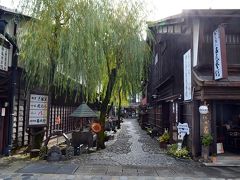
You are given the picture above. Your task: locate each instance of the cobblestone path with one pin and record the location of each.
(131, 147)
(131, 155)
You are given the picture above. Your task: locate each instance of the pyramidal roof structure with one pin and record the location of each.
(84, 111)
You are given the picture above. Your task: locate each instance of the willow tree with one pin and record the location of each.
(56, 47)
(124, 50)
(57, 44)
(85, 42)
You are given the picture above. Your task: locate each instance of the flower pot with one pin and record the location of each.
(205, 152)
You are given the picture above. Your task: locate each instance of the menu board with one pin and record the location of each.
(38, 110)
(3, 58)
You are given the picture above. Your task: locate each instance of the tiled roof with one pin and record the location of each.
(83, 111)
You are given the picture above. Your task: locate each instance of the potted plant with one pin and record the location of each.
(164, 139)
(207, 139)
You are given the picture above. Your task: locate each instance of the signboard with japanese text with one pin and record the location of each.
(187, 70)
(3, 58)
(183, 129)
(38, 110)
(219, 54)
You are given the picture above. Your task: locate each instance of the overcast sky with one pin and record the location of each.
(159, 9)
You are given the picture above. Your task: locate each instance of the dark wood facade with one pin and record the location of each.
(4, 83)
(174, 36)
(60, 106)
(166, 79)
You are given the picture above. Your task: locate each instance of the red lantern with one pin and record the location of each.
(96, 127)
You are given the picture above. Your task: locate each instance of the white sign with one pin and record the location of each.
(3, 58)
(183, 129)
(187, 75)
(38, 109)
(218, 70)
(220, 149)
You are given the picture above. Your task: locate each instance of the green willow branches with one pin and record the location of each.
(72, 43)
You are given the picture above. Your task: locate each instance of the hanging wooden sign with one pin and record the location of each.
(219, 54)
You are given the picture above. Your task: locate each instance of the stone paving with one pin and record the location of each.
(131, 155)
(132, 147)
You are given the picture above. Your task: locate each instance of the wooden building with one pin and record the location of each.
(196, 61)
(6, 57)
(14, 132)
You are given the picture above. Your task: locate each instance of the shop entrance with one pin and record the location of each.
(228, 126)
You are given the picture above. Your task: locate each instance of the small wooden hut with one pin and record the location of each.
(84, 116)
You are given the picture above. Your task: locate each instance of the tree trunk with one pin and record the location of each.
(104, 106)
(119, 108)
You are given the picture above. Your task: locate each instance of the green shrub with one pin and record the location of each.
(207, 139)
(181, 153)
(172, 149)
(165, 137)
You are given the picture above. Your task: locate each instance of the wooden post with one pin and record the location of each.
(205, 129)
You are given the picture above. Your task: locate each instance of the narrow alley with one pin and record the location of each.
(131, 147)
(131, 154)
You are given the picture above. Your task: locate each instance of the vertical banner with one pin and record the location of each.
(219, 54)
(38, 110)
(3, 58)
(187, 71)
